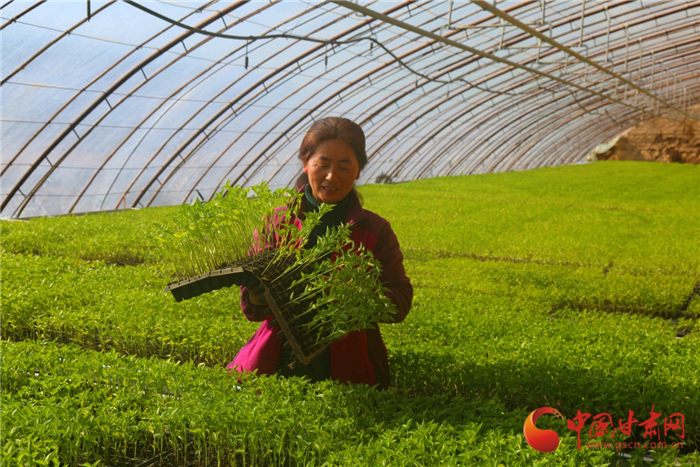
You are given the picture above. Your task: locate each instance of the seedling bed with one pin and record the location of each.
(292, 317)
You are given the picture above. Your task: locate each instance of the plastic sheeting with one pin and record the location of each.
(107, 106)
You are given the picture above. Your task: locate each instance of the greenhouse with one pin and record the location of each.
(207, 207)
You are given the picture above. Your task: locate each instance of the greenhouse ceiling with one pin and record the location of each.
(120, 104)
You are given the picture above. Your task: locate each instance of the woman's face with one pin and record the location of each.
(332, 170)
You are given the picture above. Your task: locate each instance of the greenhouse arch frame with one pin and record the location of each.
(111, 105)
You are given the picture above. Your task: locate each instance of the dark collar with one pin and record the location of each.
(354, 213)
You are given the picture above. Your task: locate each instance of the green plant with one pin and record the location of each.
(202, 237)
(343, 288)
(70, 406)
(103, 307)
(553, 287)
(124, 238)
(340, 281)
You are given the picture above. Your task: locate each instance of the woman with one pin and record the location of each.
(333, 155)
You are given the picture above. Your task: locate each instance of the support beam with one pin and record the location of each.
(388, 19)
(505, 16)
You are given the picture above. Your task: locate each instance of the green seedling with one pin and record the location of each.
(341, 288)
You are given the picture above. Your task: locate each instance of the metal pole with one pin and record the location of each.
(583, 14)
(449, 16)
(86, 111)
(487, 6)
(533, 32)
(544, 5)
(675, 88)
(607, 38)
(503, 31)
(627, 45)
(654, 103)
(639, 66)
(639, 69)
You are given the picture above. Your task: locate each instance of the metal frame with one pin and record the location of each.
(230, 105)
(135, 70)
(537, 74)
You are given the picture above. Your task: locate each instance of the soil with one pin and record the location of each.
(659, 140)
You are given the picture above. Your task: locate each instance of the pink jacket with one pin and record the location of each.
(360, 356)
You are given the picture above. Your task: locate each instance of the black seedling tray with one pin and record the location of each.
(236, 273)
(290, 316)
(208, 282)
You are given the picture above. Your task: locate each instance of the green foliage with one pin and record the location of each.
(630, 216)
(548, 288)
(574, 360)
(342, 284)
(201, 237)
(73, 406)
(106, 307)
(693, 310)
(564, 287)
(124, 238)
(341, 281)
(351, 297)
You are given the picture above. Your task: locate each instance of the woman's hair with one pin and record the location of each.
(331, 128)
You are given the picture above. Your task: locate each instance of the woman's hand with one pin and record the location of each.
(256, 295)
(256, 291)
